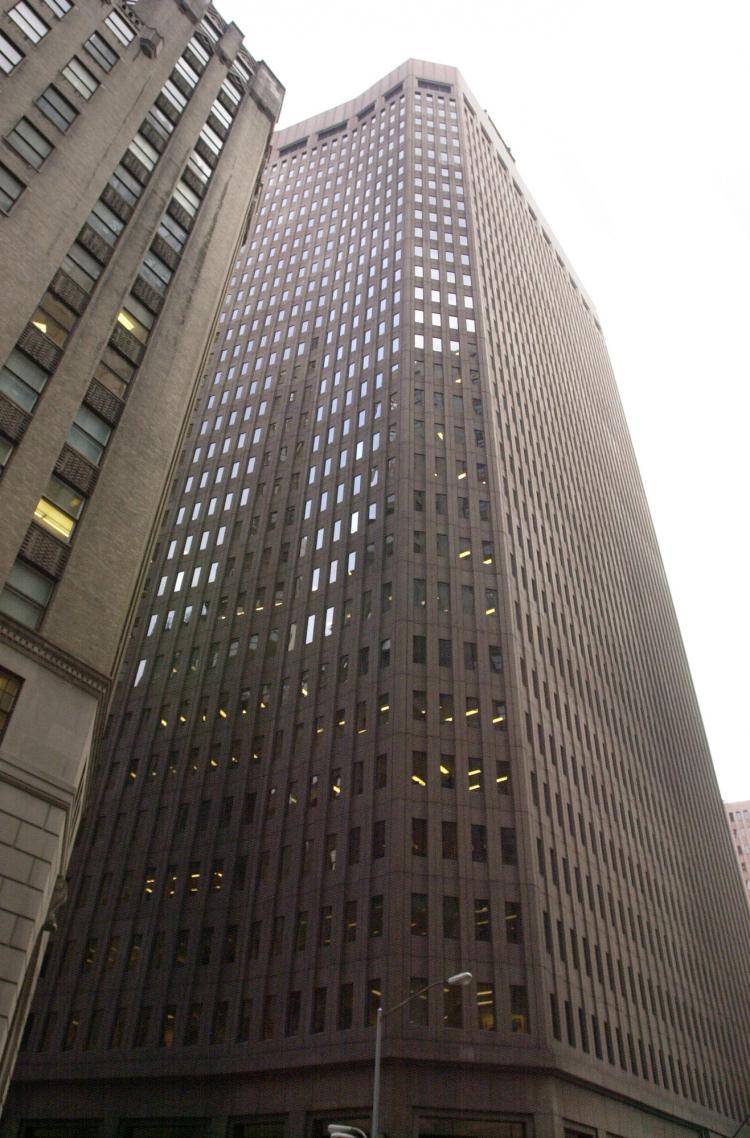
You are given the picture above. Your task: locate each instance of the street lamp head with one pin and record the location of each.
(460, 980)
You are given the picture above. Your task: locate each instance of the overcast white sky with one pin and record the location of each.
(629, 124)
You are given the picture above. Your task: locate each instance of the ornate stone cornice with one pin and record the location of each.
(53, 658)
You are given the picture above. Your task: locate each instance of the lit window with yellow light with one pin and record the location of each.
(59, 508)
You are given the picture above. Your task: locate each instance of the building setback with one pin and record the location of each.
(738, 817)
(132, 138)
(406, 696)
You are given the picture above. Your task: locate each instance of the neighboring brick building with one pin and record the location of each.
(132, 139)
(738, 816)
(406, 697)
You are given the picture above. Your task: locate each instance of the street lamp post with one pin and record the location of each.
(460, 980)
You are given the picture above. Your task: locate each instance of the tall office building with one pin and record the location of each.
(406, 697)
(738, 817)
(132, 138)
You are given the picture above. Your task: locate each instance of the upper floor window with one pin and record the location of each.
(89, 434)
(30, 143)
(22, 379)
(59, 508)
(29, 21)
(56, 108)
(10, 55)
(11, 188)
(199, 51)
(101, 52)
(120, 27)
(80, 78)
(59, 7)
(190, 76)
(26, 594)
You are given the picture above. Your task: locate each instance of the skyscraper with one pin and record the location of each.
(132, 139)
(406, 697)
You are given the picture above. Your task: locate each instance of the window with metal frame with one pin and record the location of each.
(11, 188)
(59, 7)
(30, 143)
(106, 223)
(29, 21)
(56, 108)
(82, 267)
(59, 508)
(10, 55)
(22, 380)
(120, 27)
(26, 594)
(89, 434)
(101, 52)
(80, 78)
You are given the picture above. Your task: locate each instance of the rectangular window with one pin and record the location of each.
(173, 233)
(190, 76)
(156, 272)
(318, 1018)
(22, 380)
(452, 1006)
(136, 319)
(119, 26)
(31, 24)
(30, 143)
(101, 52)
(80, 78)
(350, 921)
(419, 914)
(479, 843)
(187, 198)
(59, 508)
(126, 185)
(26, 595)
(174, 96)
(519, 1009)
(375, 924)
(59, 7)
(10, 55)
(142, 149)
(485, 1006)
(199, 167)
(106, 223)
(11, 188)
(57, 108)
(508, 845)
(89, 434)
(513, 926)
(10, 687)
(160, 123)
(451, 918)
(84, 269)
(53, 319)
